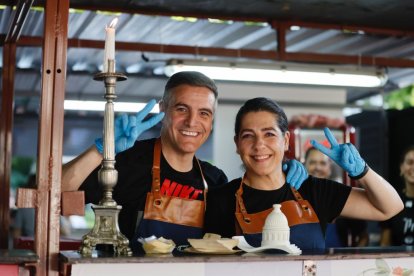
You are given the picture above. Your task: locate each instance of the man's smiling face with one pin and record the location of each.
(188, 118)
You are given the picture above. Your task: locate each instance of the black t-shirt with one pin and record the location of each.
(134, 168)
(326, 197)
(402, 224)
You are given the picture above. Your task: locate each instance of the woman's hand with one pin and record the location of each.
(345, 155)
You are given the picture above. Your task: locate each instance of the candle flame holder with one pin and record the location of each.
(106, 229)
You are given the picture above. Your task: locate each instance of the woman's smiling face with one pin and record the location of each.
(407, 168)
(260, 143)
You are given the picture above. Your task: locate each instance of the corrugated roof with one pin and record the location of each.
(162, 31)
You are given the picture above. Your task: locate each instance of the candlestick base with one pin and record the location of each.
(105, 231)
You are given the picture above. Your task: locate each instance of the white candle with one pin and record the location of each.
(109, 52)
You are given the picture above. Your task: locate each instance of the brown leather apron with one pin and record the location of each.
(298, 212)
(168, 216)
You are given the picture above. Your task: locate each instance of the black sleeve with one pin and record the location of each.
(327, 197)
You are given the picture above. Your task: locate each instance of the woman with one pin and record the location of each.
(262, 138)
(399, 230)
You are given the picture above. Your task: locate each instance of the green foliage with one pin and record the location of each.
(400, 99)
(20, 171)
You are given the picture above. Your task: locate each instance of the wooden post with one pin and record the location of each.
(49, 162)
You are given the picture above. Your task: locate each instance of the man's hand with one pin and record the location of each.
(129, 128)
(345, 155)
(296, 173)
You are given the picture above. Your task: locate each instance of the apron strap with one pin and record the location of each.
(156, 179)
(303, 203)
(205, 185)
(241, 208)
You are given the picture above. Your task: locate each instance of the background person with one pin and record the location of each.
(399, 230)
(318, 164)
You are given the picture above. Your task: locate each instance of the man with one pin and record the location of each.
(320, 165)
(161, 178)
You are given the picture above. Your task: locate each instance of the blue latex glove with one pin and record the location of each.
(345, 155)
(296, 173)
(129, 128)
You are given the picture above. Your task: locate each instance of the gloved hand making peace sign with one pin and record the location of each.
(345, 155)
(129, 128)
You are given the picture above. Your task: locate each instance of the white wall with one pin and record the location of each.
(224, 152)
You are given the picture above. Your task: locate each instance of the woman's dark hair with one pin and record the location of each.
(262, 104)
(405, 152)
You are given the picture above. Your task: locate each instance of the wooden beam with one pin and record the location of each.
(237, 53)
(26, 198)
(73, 203)
(49, 162)
(281, 40)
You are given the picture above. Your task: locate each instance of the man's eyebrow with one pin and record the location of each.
(180, 103)
(205, 109)
(209, 110)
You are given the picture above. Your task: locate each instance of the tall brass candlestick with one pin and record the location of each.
(106, 229)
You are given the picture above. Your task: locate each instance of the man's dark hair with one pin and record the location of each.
(191, 78)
